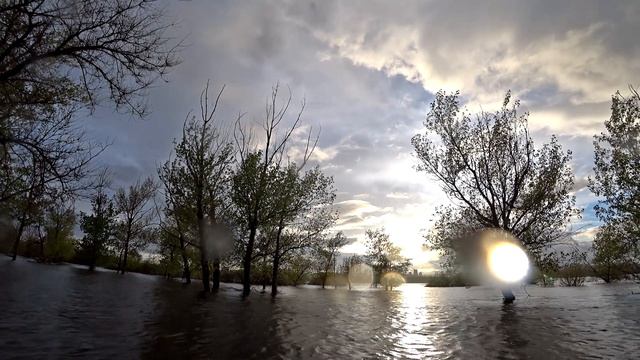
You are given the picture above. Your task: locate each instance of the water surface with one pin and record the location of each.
(62, 311)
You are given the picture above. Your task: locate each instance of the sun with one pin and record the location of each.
(508, 262)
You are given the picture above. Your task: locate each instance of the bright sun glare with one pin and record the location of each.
(508, 262)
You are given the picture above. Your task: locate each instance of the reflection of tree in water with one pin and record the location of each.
(222, 326)
(509, 329)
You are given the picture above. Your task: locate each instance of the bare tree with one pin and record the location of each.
(135, 216)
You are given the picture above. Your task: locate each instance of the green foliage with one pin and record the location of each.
(383, 256)
(610, 253)
(489, 167)
(59, 222)
(617, 182)
(98, 227)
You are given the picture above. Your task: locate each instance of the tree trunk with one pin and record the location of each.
(123, 265)
(276, 262)
(246, 274)
(16, 243)
(186, 271)
(216, 274)
(204, 261)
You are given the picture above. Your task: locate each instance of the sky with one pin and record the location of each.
(368, 70)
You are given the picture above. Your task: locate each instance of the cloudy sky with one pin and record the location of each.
(369, 69)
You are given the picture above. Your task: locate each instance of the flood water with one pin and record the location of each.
(63, 311)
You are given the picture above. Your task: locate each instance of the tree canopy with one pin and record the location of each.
(488, 166)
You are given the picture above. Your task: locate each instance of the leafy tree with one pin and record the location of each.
(572, 267)
(27, 208)
(55, 57)
(134, 218)
(617, 177)
(44, 140)
(610, 253)
(299, 202)
(489, 167)
(299, 264)
(349, 264)
(256, 177)
(383, 256)
(328, 253)
(98, 227)
(197, 180)
(59, 222)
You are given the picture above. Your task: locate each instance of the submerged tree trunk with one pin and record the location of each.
(216, 274)
(125, 251)
(186, 271)
(16, 243)
(276, 262)
(246, 273)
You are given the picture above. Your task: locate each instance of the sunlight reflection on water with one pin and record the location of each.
(61, 311)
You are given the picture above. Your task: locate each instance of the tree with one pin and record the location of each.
(255, 177)
(300, 201)
(59, 222)
(56, 56)
(489, 167)
(197, 181)
(134, 218)
(299, 263)
(350, 266)
(327, 254)
(617, 176)
(383, 256)
(27, 208)
(572, 267)
(49, 47)
(45, 140)
(610, 253)
(99, 226)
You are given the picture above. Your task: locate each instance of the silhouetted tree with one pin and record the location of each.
(255, 178)
(27, 208)
(572, 268)
(59, 222)
(328, 253)
(134, 218)
(197, 181)
(99, 226)
(56, 56)
(382, 255)
(55, 52)
(299, 202)
(489, 167)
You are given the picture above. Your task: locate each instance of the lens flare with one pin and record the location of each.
(360, 275)
(508, 262)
